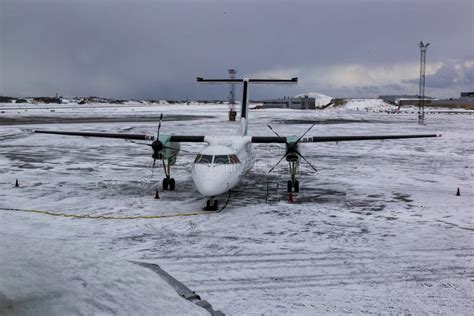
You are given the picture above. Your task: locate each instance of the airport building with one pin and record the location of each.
(392, 98)
(466, 100)
(300, 103)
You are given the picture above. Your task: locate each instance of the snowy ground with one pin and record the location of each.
(377, 230)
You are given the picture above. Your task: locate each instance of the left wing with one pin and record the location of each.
(172, 138)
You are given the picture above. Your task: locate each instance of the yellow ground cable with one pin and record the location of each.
(103, 216)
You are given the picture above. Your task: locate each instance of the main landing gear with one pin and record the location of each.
(293, 184)
(168, 182)
(211, 205)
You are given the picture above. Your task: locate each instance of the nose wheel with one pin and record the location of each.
(211, 205)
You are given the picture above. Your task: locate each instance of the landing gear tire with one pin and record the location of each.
(169, 184)
(296, 186)
(293, 186)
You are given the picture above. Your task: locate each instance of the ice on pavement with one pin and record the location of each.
(47, 276)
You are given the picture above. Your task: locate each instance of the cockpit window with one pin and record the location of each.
(203, 159)
(221, 159)
(234, 159)
(217, 159)
(226, 159)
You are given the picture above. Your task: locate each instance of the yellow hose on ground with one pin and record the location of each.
(60, 214)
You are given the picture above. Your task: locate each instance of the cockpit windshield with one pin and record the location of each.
(203, 159)
(217, 159)
(221, 159)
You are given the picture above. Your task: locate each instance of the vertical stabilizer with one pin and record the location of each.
(243, 127)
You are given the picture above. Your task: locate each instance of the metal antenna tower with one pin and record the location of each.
(421, 92)
(232, 112)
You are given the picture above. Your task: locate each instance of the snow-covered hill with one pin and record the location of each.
(367, 105)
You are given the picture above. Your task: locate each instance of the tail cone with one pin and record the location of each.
(458, 192)
(17, 184)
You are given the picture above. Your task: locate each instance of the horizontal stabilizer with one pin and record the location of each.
(250, 80)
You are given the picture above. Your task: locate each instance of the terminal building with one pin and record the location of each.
(299, 103)
(305, 103)
(393, 98)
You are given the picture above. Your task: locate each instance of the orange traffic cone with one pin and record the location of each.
(458, 193)
(157, 195)
(17, 184)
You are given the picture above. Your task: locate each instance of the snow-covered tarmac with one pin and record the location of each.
(377, 230)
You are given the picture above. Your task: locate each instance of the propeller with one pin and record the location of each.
(292, 152)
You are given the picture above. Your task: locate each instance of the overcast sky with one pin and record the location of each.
(155, 49)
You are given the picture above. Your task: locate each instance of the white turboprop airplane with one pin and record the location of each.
(220, 166)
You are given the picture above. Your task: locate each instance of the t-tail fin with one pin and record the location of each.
(243, 128)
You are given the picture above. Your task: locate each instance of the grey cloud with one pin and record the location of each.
(452, 74)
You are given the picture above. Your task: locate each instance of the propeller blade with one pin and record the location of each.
(304, 134)
(269, 171)
(302, 157)
(137, 143)
(159, 127)
(273, 130)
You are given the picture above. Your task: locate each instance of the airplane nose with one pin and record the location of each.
(211, 182)
(211, 187)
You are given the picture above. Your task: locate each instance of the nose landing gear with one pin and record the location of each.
(211, 205)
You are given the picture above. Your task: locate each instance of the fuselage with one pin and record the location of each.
(221, 165)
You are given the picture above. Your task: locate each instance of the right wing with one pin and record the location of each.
(320, 139)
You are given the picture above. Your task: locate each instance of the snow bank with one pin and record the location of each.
(320, 99)
(368, 105)
(50, 277)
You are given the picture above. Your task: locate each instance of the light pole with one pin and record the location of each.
(421, 92)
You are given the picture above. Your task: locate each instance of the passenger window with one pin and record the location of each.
(221, 159)
(203, 159)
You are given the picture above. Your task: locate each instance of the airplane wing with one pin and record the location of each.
(173, 138)
(321, 139)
